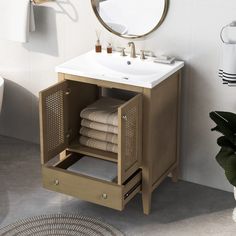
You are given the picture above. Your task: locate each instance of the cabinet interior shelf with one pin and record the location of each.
(78, 148)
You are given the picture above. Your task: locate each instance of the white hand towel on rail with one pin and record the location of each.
(16, 20)
(228, 64)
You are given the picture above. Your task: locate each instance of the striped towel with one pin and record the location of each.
(227, 71)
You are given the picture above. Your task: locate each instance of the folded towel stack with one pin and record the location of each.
(99, 125)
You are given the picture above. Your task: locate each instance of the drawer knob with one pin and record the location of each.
(124, 117)
(104, 196)
(56, 182)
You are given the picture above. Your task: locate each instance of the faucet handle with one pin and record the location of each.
(122, 50)
(142, 54)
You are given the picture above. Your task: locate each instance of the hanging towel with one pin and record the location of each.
(16, 20)
(105, 111)
(99, 126)
(99, 135)
(227, 71)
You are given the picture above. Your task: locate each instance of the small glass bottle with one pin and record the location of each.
(109, 48)
(98, 46)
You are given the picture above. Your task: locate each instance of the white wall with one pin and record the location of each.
(190, 32)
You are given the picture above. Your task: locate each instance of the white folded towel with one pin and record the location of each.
(227, 69)
(16, 20)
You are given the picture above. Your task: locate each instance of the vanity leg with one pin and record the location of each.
(175, 175)
(147, 200)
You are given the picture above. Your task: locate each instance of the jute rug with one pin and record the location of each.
(60, 225)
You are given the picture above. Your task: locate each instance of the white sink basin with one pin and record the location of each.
(128, 66)
(114, 68)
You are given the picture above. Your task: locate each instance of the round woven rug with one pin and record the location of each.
(60, 225)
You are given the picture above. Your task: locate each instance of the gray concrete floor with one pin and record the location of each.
(178, 209)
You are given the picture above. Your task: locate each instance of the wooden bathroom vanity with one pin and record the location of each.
(149, 120)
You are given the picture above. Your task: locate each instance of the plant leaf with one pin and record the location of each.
(223, 156)
(230, 117)
(230, 169)
(223, 126)
(224, 142)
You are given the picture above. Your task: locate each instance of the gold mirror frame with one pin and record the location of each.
(93, 2)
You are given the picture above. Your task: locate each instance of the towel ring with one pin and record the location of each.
(232, 24)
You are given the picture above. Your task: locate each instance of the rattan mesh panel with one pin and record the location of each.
(130, 137)
(55, 119)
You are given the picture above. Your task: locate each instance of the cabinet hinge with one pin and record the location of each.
(68, 92)
(68, 133)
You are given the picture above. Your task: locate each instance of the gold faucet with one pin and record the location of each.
(132, 51)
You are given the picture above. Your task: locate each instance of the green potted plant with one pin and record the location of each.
(226, 125)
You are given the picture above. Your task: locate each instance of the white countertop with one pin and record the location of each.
(114, 68)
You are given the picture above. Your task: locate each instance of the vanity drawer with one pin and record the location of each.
(91, 189)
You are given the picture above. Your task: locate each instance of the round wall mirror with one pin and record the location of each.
(131, 18)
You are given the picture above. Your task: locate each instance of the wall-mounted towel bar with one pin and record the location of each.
(41, 1)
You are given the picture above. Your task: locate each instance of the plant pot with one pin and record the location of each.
(234, 211)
